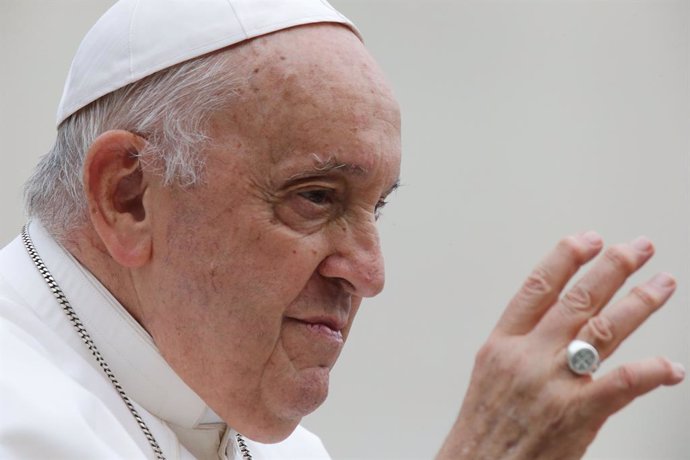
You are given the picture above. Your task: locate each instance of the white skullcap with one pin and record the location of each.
(136, 38)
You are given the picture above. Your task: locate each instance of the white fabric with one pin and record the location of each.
(55, 401)
(136, 38)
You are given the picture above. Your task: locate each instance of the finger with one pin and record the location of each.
(619, 387)
(594, 290)
(616, 322)
(543, 286)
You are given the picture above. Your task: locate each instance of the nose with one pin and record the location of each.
(356, 260)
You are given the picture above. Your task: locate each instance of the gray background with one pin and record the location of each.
(523, 121)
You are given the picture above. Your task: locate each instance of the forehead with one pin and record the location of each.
(313, 96)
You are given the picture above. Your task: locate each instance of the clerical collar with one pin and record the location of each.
(126, 346)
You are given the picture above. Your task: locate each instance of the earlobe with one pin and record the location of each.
(116, 186)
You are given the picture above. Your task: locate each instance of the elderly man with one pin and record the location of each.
(202, 235)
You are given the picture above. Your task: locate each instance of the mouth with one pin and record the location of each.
(325, 330)
(329, 328)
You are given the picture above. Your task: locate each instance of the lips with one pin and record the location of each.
(322, 329)
(329, 327)
(332, 322)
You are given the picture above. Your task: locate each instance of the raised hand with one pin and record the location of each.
(523, 401)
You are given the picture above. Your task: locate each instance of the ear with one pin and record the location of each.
(115, 188)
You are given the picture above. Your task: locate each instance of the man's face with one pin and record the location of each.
(257, 274)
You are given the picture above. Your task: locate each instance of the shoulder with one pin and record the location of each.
(46, 412)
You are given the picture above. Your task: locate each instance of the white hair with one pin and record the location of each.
(170, 109)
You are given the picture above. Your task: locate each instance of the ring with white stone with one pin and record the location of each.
(583, 358)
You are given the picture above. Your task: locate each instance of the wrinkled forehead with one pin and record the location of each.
(294, 63)
(312, 95)
(312, 71)
(310, 86)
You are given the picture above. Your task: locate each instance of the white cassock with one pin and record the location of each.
(56, 402)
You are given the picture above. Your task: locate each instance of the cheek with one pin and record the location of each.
(266, 267)
(221, 304)
(234, 286)
(226, 284)
(244, 253)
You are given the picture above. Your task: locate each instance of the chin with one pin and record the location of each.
(271, 435)
(313, 389)
(291, 401)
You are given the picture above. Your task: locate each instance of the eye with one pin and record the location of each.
(379, 208)
(320, 197)
(315, 203)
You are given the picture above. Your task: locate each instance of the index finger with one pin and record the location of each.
(544, 285)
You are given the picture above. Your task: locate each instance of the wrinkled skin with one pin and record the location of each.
(523, 402)
(261, 270)
(249, 283)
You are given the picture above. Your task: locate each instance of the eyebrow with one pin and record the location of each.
(323, 168)
(395, 187)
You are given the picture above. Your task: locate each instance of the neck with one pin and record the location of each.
(86, 246)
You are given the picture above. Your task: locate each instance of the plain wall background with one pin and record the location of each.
(523, 121)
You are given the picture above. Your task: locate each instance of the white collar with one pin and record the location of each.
(126, 346)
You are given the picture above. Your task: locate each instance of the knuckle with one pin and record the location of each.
(577, 299)
(626, 379)
(602, 329)
(571, 248)
(646, 298)
(501, 359)
(486, 354)
(621, 259)
(537, 283)
(666, 364)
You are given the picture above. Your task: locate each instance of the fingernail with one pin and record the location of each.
(664, 280)
(678, 370)
(641, 243)
(592, 238)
